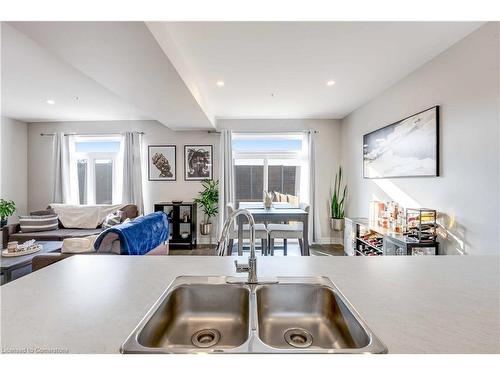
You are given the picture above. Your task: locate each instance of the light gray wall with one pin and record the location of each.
(41, 156)
(14, 162)
(328, 155)
(498, 99)
(464, 81)
(41, 167)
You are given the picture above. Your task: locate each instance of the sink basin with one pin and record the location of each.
(195, 315)
(311, 316)
(225, 315)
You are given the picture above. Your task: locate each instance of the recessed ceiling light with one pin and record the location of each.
(220, 83)
(330, 83)
(51, 102)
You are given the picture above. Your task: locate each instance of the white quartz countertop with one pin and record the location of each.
(90, 304)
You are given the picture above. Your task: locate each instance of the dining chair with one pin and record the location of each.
(287, 231)
(261, 234)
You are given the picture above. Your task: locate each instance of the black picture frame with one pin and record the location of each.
(210, 174)
(172, 153)
(393, 125)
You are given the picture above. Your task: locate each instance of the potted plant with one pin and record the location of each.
(209, 202)
(7, 208)
(338, 200)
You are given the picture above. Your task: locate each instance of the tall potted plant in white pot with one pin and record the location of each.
(338, 200)
(209, 203)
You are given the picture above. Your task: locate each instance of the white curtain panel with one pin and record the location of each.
(132, 173)
(62, 192)
(226, 175)
(314, 222)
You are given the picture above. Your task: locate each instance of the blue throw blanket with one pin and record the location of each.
(140, 236)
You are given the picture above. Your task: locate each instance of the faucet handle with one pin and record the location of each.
(240, 268)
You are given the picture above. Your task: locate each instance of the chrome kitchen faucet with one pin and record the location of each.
(251, 266)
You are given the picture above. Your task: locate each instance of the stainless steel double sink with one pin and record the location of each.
(226, 315)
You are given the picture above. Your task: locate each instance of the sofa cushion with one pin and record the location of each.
(293, 200)
(129, 211)
(48, 211)
(112, 219)
(78, 245)
(38, 223)
(53, 235)
(282, 197)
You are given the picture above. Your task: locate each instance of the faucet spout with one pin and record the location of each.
(251, 267)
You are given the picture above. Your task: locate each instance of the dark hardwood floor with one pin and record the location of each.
(293, 250)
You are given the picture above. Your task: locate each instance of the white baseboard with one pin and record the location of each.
(330, 241)
(205, 240)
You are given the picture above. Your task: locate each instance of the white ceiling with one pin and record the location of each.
(293, 61)
(167, 70)
(31, 75)
(125, 59)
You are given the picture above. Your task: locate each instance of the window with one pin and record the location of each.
(97, 162)
(249, 181)
(283, 178)
(82, 166)
(103, 170)
(270, 162)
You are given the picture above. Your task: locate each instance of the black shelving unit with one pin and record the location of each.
(182, 219)
(421, 224)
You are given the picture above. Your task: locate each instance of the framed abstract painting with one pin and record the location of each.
(407, 148)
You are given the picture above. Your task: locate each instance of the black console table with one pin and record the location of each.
(182, 222)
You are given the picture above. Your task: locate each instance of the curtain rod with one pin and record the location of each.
(86, 134)
(266, 132)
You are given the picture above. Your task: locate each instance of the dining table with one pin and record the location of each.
(278, 213)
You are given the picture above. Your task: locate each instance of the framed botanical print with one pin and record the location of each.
(198, 162)
(162, 163)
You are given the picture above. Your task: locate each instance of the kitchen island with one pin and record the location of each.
(90, 304)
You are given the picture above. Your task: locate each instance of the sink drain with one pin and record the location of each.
(298, 338)
(205, 338)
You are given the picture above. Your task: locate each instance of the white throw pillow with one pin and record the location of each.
(112, 219)
(78, 245)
